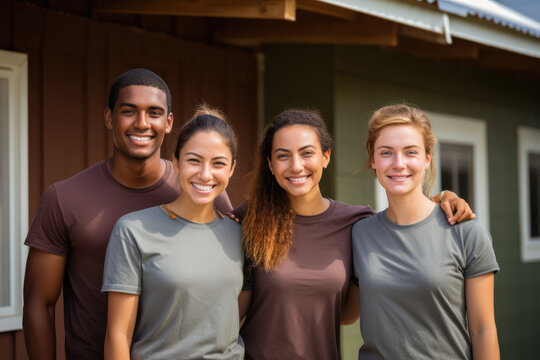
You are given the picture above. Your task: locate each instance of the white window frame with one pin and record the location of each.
(463, 131)
(14, 68)
(528, 140)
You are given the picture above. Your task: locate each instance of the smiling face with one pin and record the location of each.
(400, 160)
(204, 167)
(139, 121)
(297, 160)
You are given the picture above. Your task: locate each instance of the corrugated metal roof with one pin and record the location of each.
(491, 11)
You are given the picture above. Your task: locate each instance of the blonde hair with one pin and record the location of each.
(401, 114)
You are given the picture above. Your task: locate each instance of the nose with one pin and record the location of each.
(296, 164)
(206, 172)
(143, 120)
(399, 161)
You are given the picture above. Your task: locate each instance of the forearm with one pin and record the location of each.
(485, 345)
(350, 312)
(39, 331)
(117, 346)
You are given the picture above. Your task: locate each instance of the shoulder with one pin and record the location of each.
(141, 215)
(92, 176)
(149, 218)
(231, 224)
(369, 222)
(471, 231)
(83, 175)
(354, 212)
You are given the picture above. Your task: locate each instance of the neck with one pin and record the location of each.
(310, 204)
(185, 208)
(408, 209)
(136, 173)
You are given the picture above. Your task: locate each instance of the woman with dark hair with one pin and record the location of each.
(174, 272)
(298, 245)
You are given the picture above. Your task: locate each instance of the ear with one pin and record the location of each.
(232, 168)
(326, 158)
(428, 161)
(107, 116)
(170, 121)
(270, 165)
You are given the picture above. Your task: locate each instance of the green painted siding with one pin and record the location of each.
(300, 76)
(348, 83)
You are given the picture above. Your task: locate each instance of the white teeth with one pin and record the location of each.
(140, 138)
(399, 177)
(203, 187)
(297, 179)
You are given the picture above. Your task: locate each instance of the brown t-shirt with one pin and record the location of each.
(74, 219)
(295, 311)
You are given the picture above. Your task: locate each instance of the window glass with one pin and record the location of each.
(456, 167)
(4, 193)
(534, 195)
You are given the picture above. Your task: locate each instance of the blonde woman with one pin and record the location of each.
(426, 288)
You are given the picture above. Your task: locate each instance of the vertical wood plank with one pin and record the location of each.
(28, 30)
(20, 350)
(96, 94)
(241, 91)
(64, 96)
(6, 344)
(6, 24)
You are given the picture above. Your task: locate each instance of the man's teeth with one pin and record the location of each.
(139, 138)
(203, 187)
(295, 179)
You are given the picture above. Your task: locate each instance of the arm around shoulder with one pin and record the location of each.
(42, 286)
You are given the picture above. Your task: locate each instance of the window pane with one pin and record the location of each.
(457, 170)
(4, 187)
(534, 191)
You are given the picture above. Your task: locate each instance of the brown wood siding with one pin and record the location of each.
(72, 61)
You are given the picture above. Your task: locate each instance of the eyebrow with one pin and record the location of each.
(406, 147)
(199, 156)
(287, 150)
(154, 107)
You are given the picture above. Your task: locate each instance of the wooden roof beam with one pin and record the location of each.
(260, 9)
(327, 9)
(367, 31)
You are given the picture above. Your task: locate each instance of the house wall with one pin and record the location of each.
(363, 79)
(73, 60)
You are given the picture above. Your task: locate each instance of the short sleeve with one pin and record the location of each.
(123, 266)
(48, 230)
(223, 203)
(240, 211)
(480, 256)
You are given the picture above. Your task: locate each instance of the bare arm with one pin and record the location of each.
(481, 316)
(42, 286)
(121, 317)
(351, 309)
(455, 208)
(243, 304)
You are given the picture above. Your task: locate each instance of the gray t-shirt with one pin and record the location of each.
(188, 276)
(412, 285)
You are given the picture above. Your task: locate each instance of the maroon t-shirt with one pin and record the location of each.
(74, 219)
(295, 310)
